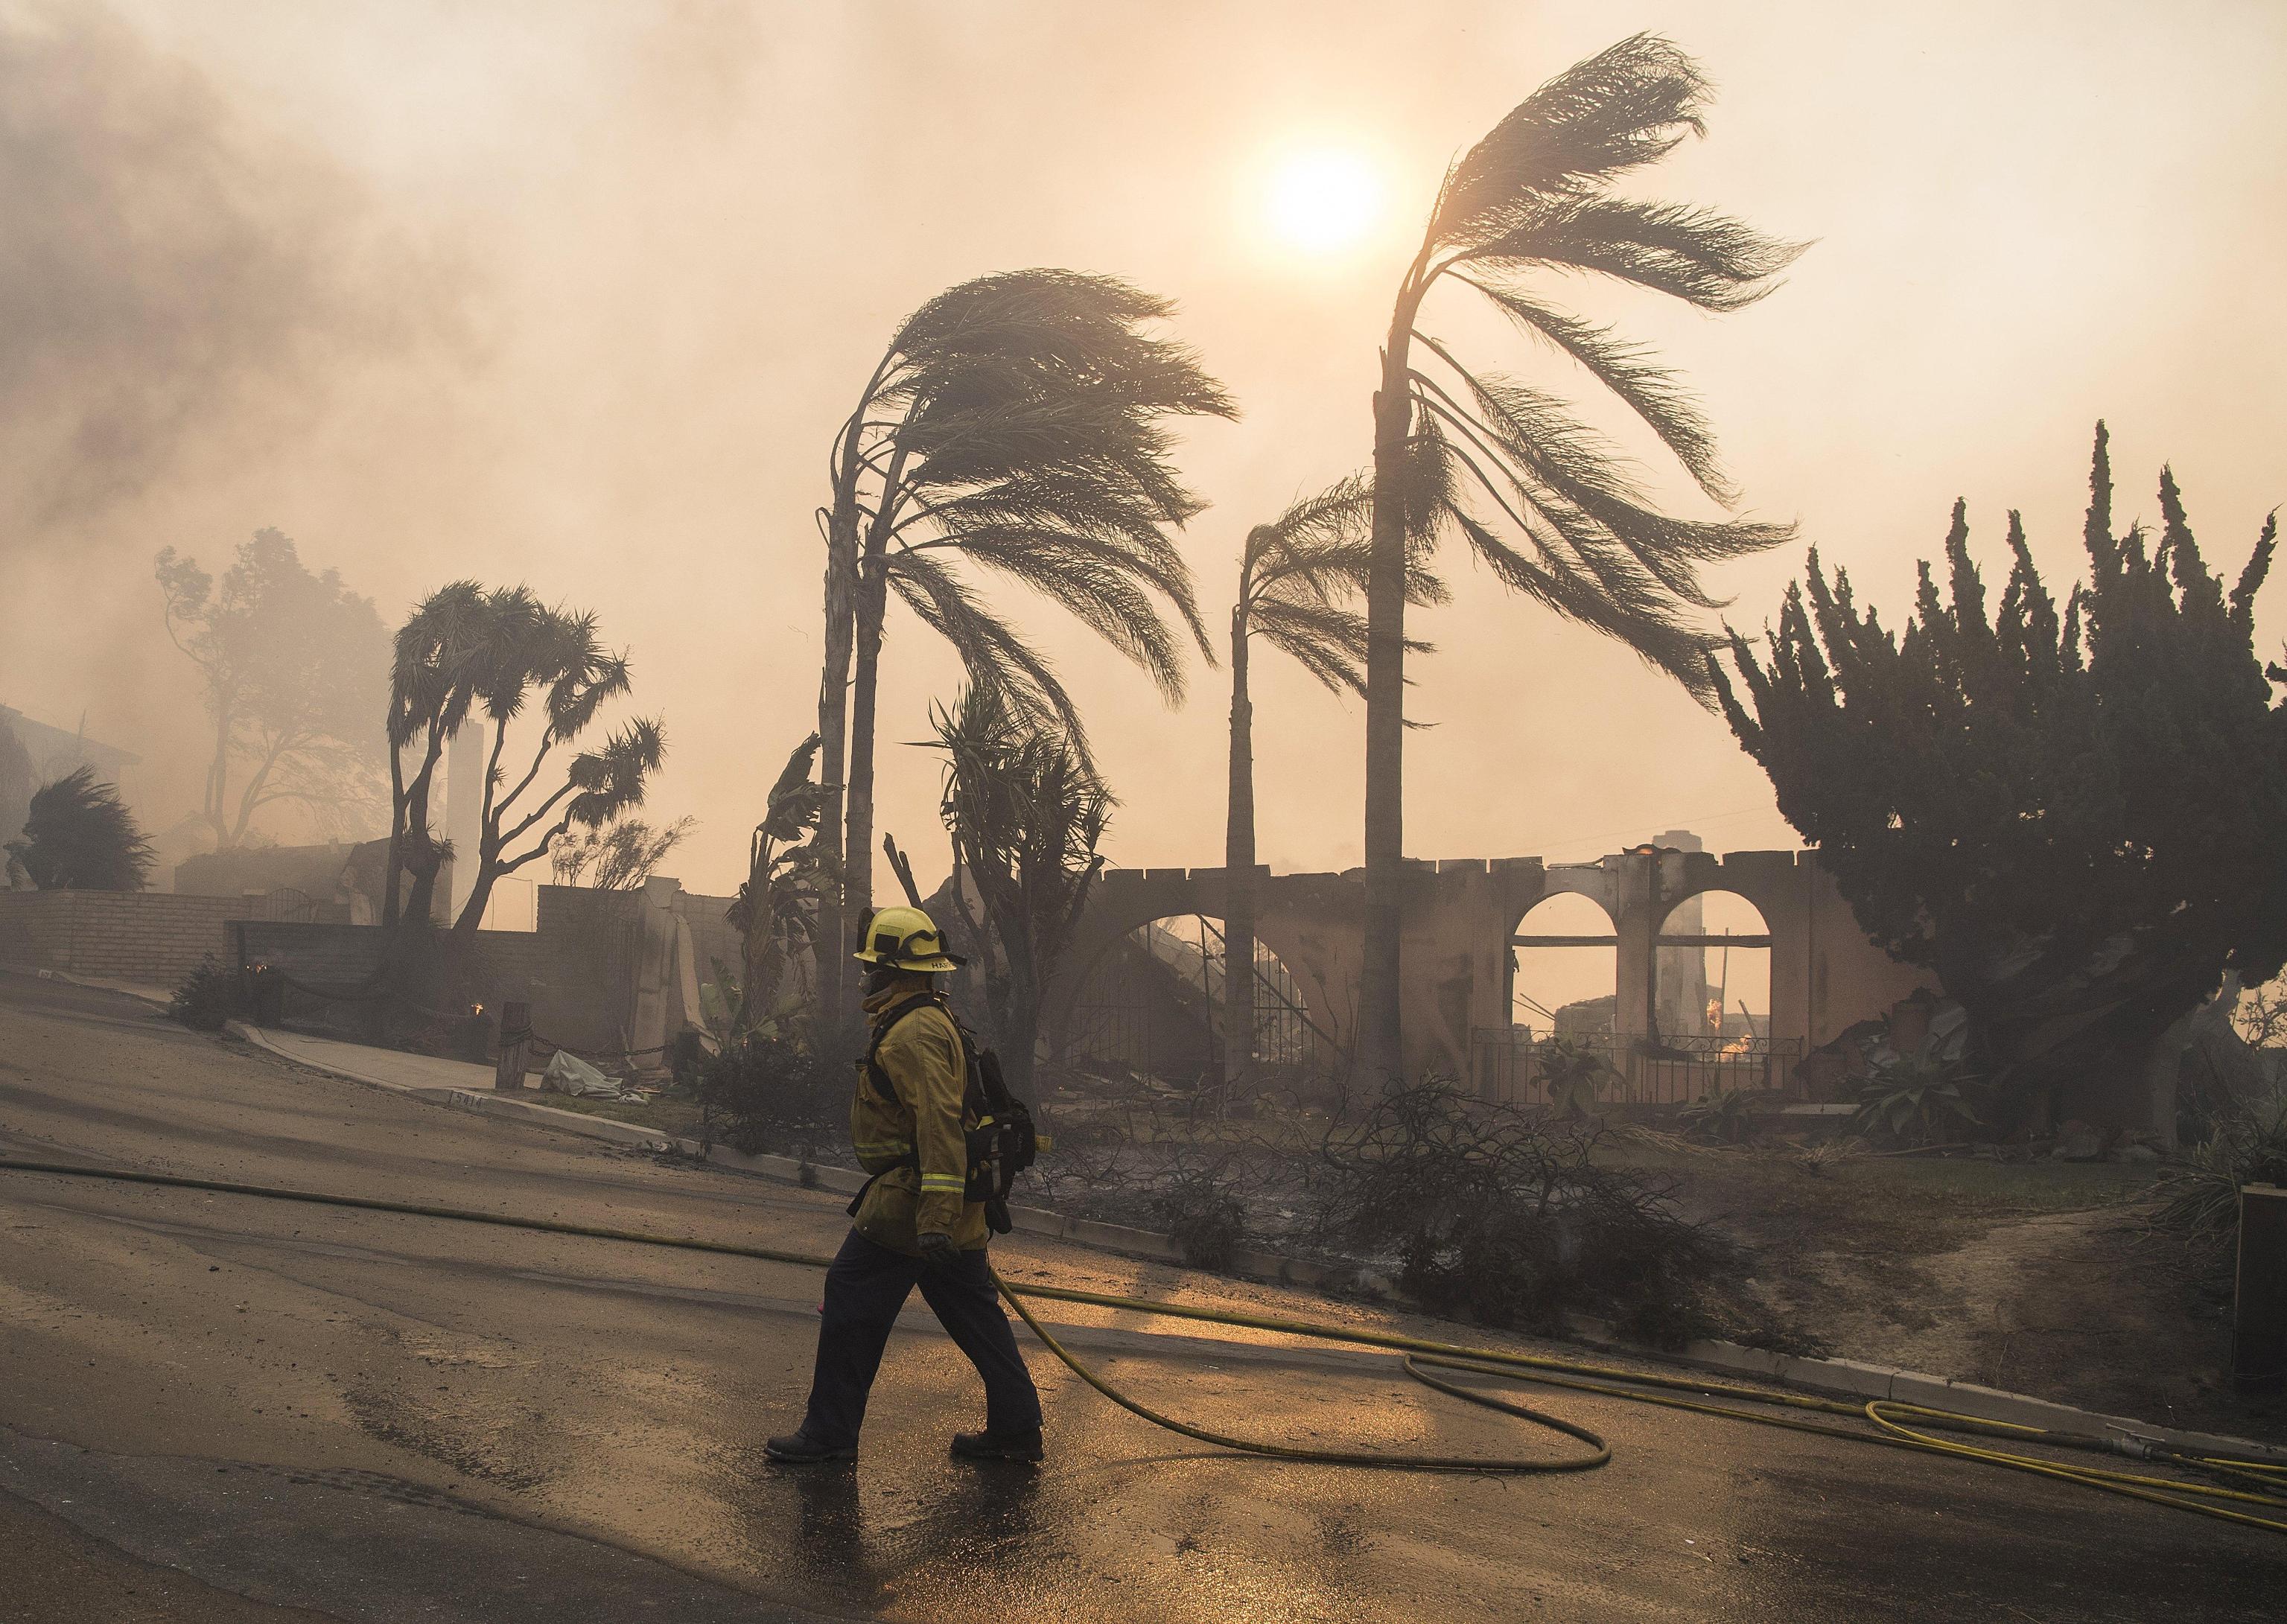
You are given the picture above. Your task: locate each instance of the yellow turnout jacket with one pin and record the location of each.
(922, 1055)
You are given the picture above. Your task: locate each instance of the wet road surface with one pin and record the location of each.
(218, 1408)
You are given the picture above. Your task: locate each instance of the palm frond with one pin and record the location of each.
(1627, 105)
(1096, 584)
(1328, 641)
(1696, 255)
(1657, 636)
(1652, 391)
(994, 656)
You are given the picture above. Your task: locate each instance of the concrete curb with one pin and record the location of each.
(1839, 1378)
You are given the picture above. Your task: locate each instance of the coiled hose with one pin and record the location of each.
(2257, 1484)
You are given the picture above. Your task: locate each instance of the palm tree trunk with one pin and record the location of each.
(1238, 869)
(1380, 1040)
(833, 732)
(858, 845)
(872, 601)
(396, 840)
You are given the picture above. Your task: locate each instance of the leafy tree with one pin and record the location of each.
(291, 663)
(80, 836)
(1299, 577)
(1026, 811)
(779, 907)
(550, 659)
(1015, 421)
(1544, 501)
(2073, 818)
(619, 856)
(471, 657)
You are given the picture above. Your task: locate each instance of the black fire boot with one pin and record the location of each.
(1023, 1446)
(800, 1449)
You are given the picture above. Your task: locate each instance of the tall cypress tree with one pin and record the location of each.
(2072, 818)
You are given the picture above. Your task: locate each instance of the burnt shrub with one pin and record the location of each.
(1205, 1217)
(1503, 1216)
(768, 1093)
(206, 999)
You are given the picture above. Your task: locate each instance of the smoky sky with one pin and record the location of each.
(576, 295)
(174, 274)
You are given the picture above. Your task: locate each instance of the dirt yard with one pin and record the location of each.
(2039, 1277)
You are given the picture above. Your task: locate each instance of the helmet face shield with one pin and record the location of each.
(906, 938)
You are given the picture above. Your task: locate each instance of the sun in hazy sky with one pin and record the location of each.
(1323, 200)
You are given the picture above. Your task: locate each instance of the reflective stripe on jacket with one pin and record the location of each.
(922, 1055)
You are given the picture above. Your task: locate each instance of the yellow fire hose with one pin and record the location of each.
(2263, 1482)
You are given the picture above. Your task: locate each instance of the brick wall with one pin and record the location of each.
(155, 938)
(332, 956)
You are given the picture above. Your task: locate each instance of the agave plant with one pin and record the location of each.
(1917, 1099)
(1570, 1073)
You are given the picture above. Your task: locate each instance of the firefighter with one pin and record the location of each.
(914, 1225)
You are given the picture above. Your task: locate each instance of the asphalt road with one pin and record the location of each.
(214, 1408)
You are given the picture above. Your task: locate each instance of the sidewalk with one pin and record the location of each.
(383, 1068)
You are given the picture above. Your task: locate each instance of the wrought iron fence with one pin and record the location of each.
(1667, 1071)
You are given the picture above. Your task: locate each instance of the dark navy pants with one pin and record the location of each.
(865, 1288)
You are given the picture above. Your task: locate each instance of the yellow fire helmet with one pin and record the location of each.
(906, 938)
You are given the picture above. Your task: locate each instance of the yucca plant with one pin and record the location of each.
(1015, 423)
(776, 912)
(1542, 500)
(1026, 811)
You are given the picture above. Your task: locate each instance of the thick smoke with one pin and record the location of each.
(173, 276)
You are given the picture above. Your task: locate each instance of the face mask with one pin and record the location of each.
(881, 978)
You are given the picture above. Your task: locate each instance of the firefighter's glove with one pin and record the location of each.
(937, 1250)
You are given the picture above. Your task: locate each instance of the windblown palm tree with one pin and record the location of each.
(1015, 421)
(81, 836)
(1298, 579)
(1544, 501)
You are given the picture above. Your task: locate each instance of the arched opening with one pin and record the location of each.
(1714, 970)
(1160, 1007)
(1563, 969)
(1711, 1001)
